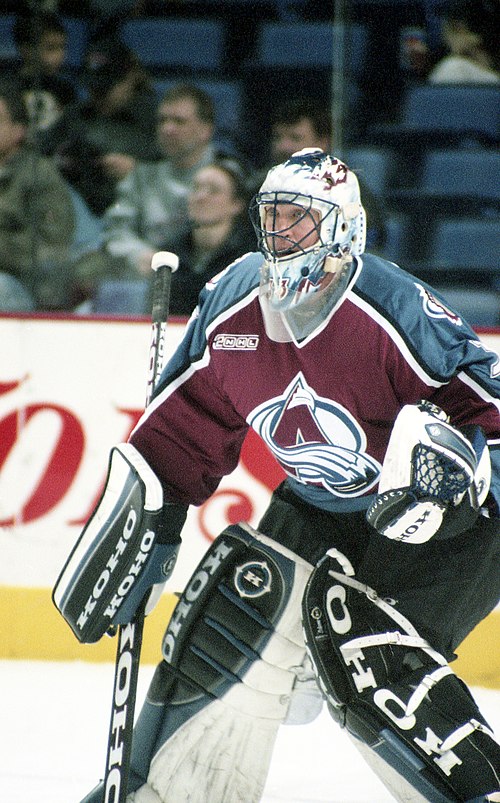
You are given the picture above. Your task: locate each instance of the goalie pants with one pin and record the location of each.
(444, 587)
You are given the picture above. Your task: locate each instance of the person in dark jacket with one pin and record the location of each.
(99, 139)
(219, 232)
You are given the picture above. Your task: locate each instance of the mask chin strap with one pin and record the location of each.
(335, 263)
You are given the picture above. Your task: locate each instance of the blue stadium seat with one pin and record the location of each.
(455, 181)
(469, 244)
(310, 45)
(397, 246)
(8, 50)
(88, 226)
(456, 110)
(165, 44)
(373, 165)
(445, 114)
(122, 297)
(77, 31)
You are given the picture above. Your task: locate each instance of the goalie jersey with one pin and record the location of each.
(324, 406)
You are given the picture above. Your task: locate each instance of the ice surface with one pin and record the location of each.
(54, 723)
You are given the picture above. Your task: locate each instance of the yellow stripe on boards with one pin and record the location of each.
(32, 629)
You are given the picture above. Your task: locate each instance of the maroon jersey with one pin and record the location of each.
(324, 406)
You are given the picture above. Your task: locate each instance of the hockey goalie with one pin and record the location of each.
(376, 556)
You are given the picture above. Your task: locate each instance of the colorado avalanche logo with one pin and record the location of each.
(435, 308)
(316, 441)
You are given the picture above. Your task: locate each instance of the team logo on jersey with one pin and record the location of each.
(236, 342)
(435, 308)
(316, 440)
(253, 579)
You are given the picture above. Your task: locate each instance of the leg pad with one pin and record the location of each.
(393, 692)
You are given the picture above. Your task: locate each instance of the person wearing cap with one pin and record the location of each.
(41, 42)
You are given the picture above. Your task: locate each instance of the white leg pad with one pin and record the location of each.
(143, 795)
(221, 755)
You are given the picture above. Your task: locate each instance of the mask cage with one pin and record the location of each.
(266, 237)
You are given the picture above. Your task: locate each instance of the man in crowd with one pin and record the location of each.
(151, 202)
(305, 123)
(41, 41)
(36, 217)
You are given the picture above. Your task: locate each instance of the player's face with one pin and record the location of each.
(295, 228)
(180, 130)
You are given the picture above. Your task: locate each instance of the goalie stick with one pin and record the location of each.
(128, 651)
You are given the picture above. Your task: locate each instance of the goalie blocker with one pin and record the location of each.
(126, 551)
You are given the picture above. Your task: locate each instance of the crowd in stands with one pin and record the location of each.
(99, 168)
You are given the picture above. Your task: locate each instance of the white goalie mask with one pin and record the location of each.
(309, 223)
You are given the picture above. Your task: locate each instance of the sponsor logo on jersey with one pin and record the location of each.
(228, 342)
(316, 440)
(435, 308)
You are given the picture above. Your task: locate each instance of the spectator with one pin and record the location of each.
(303, 123)
(219, 230)
(299, 123)
(472, 48)
(36, 217)
(99, 139)
(41, 41)
(151, 202)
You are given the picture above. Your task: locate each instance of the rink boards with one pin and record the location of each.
(70, 389)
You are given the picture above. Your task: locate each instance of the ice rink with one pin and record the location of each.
(54, 732)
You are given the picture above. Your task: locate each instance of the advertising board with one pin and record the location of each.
(70, 389)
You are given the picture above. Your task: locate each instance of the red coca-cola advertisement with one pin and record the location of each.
(69, 390)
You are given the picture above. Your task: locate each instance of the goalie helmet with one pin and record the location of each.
(303, 260)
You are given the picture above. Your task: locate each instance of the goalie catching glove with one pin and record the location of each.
(434, 478)
(126, 552)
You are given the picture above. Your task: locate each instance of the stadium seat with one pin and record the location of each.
(88, 226)
(397, 246)
(167, 44)
(310, 45)
(77, 31)
(454, 181)
(374, 165)
(8, 50)
(446, 115)
(467, 244)
(122, 297)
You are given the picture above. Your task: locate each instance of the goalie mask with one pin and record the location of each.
(309, 223)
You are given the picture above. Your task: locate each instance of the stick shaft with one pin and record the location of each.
(128, 651)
